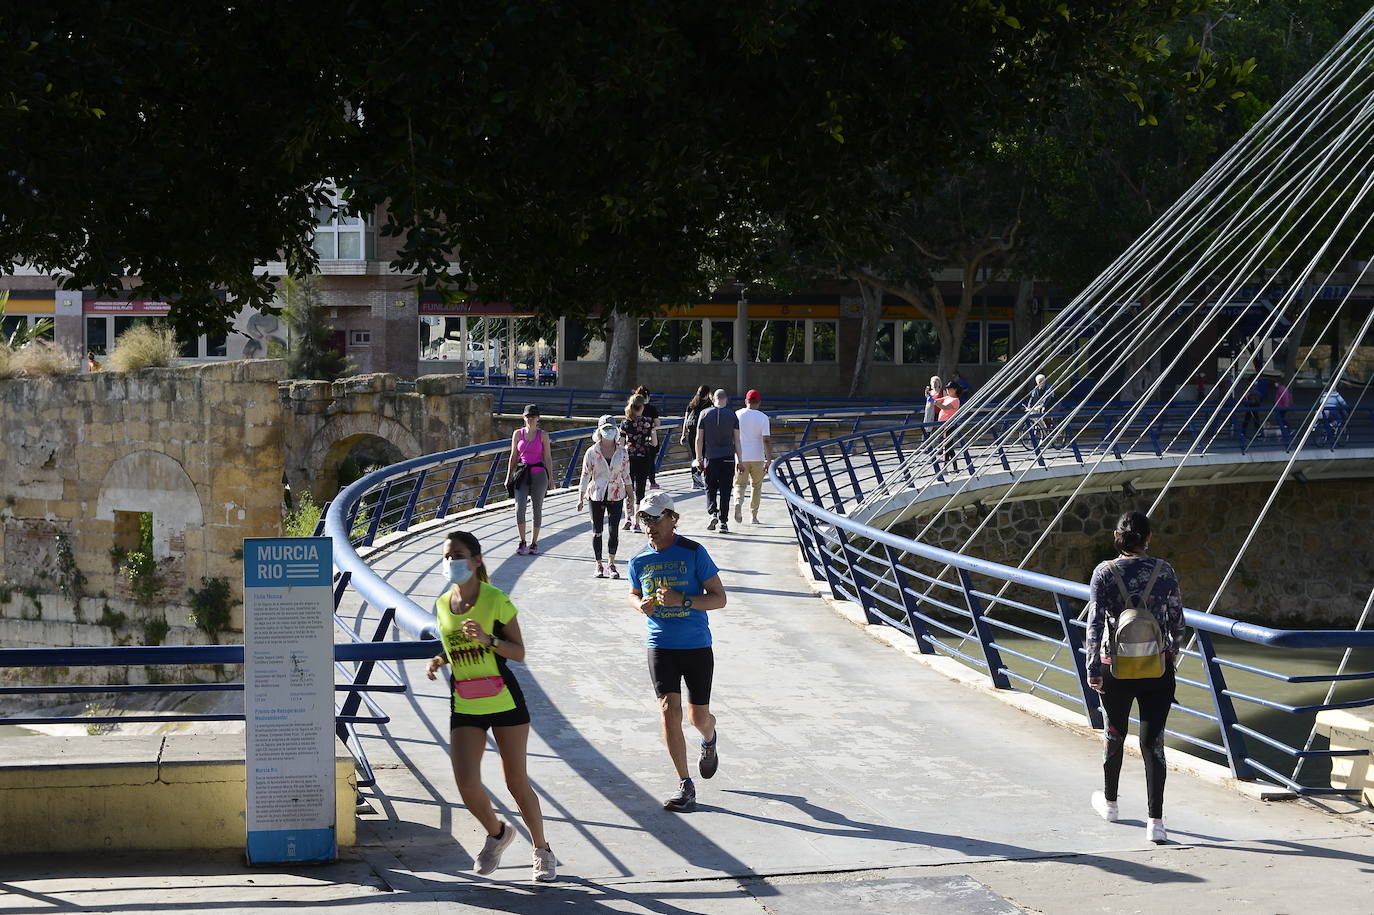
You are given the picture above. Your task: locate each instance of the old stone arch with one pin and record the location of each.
(332, 443)
(150, 481)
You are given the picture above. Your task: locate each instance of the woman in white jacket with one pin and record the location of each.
(605, 483)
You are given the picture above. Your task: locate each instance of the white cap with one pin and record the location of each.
(656, 503)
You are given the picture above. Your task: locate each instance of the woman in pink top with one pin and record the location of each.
(529, 449)
(947, 406)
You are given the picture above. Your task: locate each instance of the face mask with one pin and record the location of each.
(459, 571)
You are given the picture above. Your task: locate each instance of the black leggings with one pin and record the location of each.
(1154, 696)
(600, 511)
(640, 469)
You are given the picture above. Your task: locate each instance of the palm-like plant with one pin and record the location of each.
(25, 332)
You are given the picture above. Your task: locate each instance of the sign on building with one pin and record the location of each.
(288, 697)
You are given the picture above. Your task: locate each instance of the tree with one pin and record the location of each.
(308, 352)
(569, 156)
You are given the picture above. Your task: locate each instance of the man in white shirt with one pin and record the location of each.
(756, 451)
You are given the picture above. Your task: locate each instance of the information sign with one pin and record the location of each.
(288, 694)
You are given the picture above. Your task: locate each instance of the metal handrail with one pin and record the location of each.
(845, 554)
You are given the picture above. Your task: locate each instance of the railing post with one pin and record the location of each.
(353, 698)
(572, 463)
(863, 584)
(570, 403)
(910, 604)
(340, 588)
(319, 525)
(873, 459)
(410, 503)
(853, 477)
(980, 625)
(486, 484)
(1231, 739)
(804, 541)
(378, 509)
(448, 491)
(1092, 703)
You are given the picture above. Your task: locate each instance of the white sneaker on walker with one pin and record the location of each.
(1154, 831)
(1105, 808)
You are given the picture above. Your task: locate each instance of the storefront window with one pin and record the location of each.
(885, 347)
(920, 345)
(97, 340)
(777, 341)
(971, 350)
(823, 347)
(999, 341)
(722, 341)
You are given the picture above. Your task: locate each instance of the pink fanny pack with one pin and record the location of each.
(479, 687)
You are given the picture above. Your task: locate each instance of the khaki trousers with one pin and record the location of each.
(749, 471)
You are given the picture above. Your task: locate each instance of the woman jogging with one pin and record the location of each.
(480, 633)
(605, 483)
(527, 475)
(1135, 630)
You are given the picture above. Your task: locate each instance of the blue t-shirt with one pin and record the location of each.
(683, 566)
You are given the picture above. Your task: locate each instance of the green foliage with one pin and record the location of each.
(155, 630)
(301, 520)
(37, 612)
(145, 576)
(21, 335)
(111, 618)
(211, 605)
(7, 587)
(144, 346)
(308, 353)
(99, 710)
(71, 581)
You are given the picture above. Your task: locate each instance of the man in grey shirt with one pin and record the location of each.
(717, 451)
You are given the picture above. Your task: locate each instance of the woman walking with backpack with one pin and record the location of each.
(1135, 631)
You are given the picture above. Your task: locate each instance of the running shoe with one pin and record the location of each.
(600, 570)
(638, 529)
(628, 525)
(739, 515)
(545, 866)
(653, 486)
(533, 549)
(685, 799)
(490, 855)
(709, 761)
(615, 573)
(711, 525)
(521, 549)
(1105, 808)
(1154, 831)
(724, 528)
(753, 519)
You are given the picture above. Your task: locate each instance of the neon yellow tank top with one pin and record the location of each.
(468, 659)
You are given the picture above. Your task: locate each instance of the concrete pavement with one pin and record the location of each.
(852, 778)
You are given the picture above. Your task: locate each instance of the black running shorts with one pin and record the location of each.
(668, 667)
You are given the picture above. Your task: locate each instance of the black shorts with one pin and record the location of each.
(668, 667)
(509, 718)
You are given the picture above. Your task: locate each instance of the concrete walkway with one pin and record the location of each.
(852, 779)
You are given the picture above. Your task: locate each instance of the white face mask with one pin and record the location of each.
(459, 571)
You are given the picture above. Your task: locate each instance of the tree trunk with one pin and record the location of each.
(868, 338)
(1023, 328)
(622, 352)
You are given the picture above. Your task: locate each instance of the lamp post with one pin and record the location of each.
(742, 345)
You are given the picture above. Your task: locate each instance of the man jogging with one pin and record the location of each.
(673, 582)
(755, 452)
(717, 451)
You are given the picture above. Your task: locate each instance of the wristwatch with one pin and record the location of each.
(686, 602)
(494, 642)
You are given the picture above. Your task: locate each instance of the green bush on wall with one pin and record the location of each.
(211, 605)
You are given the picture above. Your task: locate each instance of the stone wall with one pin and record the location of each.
(1308, 566)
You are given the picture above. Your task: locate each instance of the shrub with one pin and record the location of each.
(144, 346)
(39, 358)
(210, 605)
(301, 521)
(144, 576)
(6, 356)
(155, 630)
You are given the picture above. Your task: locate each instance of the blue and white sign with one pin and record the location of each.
(288, 691)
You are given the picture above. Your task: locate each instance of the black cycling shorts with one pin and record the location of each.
(668, 667)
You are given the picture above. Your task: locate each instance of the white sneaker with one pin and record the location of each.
(545, 866)
(1105, 808)
(490, 855)
(1154, 831)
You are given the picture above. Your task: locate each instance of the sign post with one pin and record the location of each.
(288, 690)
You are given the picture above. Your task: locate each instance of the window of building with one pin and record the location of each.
(216, 344)
(341, 235)
(885, 346)
(971, 350)
(920, 345)
(777, 341)
(360, 338)
(11, 323)
(999, 341)
(671, 339)
(722, 341)
(97, 335)
(823, 346)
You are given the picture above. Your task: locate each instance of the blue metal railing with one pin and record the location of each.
(1023, 628)
(594, 401)
(391, 501)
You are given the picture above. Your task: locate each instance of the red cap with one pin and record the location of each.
(753, 396)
